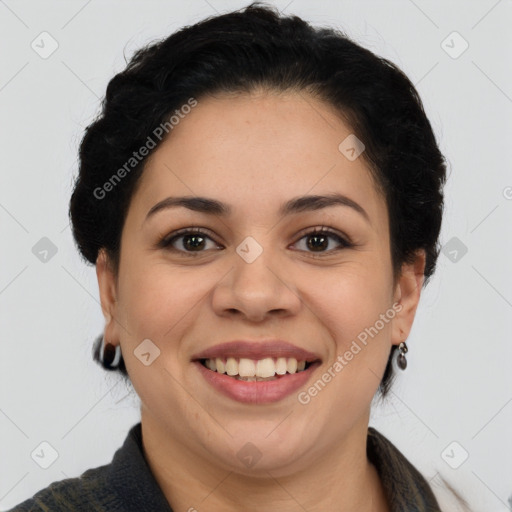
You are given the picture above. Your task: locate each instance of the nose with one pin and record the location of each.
(256, 289)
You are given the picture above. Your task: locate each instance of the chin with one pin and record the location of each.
(262, 447)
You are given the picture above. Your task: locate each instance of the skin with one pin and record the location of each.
(254, 152)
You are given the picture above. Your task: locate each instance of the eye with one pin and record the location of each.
(193, 241)
(318, 239)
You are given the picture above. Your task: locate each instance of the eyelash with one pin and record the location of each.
(166, 242)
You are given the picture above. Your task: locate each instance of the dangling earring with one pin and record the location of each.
(401, 361)
(110, 355)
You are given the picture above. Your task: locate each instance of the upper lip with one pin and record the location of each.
(256, 350)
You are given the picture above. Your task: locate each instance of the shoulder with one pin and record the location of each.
(126, 483)
(406, 488)
(86, 493)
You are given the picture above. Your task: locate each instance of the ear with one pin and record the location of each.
(407, 294)
(108, 296)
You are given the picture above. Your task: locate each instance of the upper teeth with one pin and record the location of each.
(267, 367)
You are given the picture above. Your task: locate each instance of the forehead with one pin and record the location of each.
(257, 150)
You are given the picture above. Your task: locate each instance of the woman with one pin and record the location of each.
(262, 201)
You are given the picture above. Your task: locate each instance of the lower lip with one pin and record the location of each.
(261, 392)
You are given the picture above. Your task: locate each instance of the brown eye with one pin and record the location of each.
(187, 241)
(194, 241)
(318, 241)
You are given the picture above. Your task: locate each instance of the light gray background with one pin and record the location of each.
(458, 384)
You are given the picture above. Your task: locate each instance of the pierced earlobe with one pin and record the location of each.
(401, 360)
(110, 355)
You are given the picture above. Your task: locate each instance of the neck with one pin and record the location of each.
(342, 479)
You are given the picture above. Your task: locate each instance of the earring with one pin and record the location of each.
(401, 361)
(110, 355)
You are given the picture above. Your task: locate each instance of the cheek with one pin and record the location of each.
(351, 297)
(351, 310)
(350, 305)
(155, 301)
(155, 297)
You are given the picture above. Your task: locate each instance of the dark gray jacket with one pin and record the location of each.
(127, 484)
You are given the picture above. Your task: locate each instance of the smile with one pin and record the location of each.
(254, 389)
(256, 371)
(250, 370)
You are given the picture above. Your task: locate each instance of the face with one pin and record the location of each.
(257, 274)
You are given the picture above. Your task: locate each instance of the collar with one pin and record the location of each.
(130, 477)
(405, 487)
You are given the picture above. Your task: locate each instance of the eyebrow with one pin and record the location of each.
(296, 205)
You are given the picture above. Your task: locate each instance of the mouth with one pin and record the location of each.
(261, 370)
(256, 372)
(255, 389)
